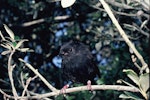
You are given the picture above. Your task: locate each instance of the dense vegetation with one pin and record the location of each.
(46, 26)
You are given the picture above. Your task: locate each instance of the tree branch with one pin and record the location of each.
(144, 4)
(123, 34)
(39, 75)
(77, 89)
(10, 70)
(27, 84)
(94, 87)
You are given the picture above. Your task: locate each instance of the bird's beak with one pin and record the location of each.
(63, 53)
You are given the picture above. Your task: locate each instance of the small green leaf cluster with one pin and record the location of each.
(141, 83)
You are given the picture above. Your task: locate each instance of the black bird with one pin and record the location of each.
(77, 63)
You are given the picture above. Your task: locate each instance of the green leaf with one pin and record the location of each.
(132, 75)
(98, 46)
(128, 84)
(6, 46)
(144, 81)
(100, 81)
(11, 45)
(59, 97)
(70, 97)
(5, 52)
(128, 95)
(67, 3)
(20, 43)
(23, 49)
(14, 44)
(2, 36)
(9, 31)
(9, 39)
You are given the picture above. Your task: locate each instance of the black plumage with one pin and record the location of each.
(77, 63)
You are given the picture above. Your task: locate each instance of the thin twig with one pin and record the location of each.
(120, 5)
(144, 4)
(138, 29)
(5, 82)
(134, 61)
(23, 85)
(27, 84)
(36, 94)
(10, 70)
(38, 21)
(6, 95)
(39, 75)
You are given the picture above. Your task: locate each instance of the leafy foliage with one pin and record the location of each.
(141, 81)
(47, 26)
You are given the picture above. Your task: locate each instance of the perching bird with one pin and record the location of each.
(77, 63)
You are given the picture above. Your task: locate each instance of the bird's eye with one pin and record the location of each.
(70, 49)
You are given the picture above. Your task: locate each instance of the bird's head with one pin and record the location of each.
(67, 49)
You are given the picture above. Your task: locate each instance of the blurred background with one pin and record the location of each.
(47, 26)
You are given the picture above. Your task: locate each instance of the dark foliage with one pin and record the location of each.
(85, 21)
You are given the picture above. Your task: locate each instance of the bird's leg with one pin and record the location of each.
(89, 85)
(63, 90)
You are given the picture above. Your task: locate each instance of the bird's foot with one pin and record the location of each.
(63, 90)
(89, 85)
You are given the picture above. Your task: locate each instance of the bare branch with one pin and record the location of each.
(26, 24)
(10, 70)
(77, 89)
(39, 75)
(144, 4)
(138, 29)
(94, 87)
(27, 84)
(120, 5)
(6, 95)
(134, 61)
